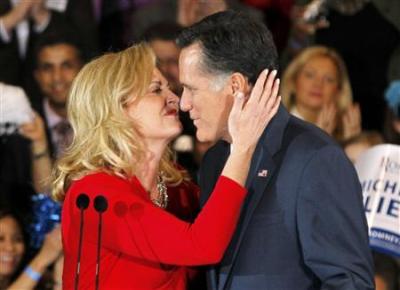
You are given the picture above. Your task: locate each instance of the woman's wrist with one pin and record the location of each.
(39, 149)
(242, 151)
(32, 273)
(40, 154)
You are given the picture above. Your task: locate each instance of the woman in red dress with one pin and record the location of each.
(123, 116)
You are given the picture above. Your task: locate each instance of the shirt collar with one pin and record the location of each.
(51, 116)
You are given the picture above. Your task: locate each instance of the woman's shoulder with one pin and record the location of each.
(101, 182)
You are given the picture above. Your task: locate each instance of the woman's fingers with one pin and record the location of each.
(258, 88)
(268, 85)
(238, 102)
(268, 102)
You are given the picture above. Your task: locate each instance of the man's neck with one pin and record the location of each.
(59, 110)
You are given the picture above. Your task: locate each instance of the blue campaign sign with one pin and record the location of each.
(379, 172)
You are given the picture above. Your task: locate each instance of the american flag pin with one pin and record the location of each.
(263, 173)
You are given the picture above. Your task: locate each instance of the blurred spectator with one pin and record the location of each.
(356, 145)
(13, 243)
(357, 29)
(80, 17)
(184, 12)
(161, 37)
(58, 60)
(16, 31)
(392, 122)
(316, 88)
(15, 274)
(386, 272)
(22, 22)
(14, 149)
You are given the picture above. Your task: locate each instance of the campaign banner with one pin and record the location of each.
(378, 169)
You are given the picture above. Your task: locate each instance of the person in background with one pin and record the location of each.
(356, 145)
(392, 120)
(16, 33)
(58, 61)
(316, 88)
(161, 38)
(15, 150)
(15, 272)
(356, 29)
(183, 12)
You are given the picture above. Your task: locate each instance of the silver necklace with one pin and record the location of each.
(162, 199)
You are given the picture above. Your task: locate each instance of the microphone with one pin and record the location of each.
(100, 205)
(82, 202)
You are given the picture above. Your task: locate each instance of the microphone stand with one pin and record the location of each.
(82, 202)
(100, 205)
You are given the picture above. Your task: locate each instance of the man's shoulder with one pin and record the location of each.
(306, 136)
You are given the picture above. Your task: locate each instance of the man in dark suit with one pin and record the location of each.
(302, 225)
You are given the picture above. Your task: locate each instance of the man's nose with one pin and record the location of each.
(57, 75)
(185, 103)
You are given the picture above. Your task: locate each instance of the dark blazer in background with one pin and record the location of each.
(302, 226)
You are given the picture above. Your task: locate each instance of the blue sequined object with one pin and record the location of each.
(392, 96)
(46, 214)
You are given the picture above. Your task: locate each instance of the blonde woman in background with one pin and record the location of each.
(316, 88)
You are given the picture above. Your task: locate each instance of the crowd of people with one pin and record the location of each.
(173, 111)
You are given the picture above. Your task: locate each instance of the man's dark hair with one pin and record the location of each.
(51, 39)
(232, 42)
(165, 30)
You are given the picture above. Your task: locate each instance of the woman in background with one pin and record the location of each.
(316, 88)
(15, 273)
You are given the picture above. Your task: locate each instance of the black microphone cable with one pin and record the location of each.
(82, 202)
(100, 205)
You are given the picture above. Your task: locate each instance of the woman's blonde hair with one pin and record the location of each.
(288, 88)
(105, 139)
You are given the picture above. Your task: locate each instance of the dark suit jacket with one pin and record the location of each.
(302, 225)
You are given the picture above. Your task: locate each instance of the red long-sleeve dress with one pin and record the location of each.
(143, 246)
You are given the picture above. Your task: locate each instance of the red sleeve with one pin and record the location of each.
(132, 225)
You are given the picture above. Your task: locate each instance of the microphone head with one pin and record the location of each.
(100, 204)
(82, 201)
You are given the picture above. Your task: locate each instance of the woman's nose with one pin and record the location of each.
(172, 99)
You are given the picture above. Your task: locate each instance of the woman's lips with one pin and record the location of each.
(172, 112)
(316, 94)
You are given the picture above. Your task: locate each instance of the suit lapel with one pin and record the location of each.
(261, 172)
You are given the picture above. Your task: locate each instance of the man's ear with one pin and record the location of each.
(239, 83)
